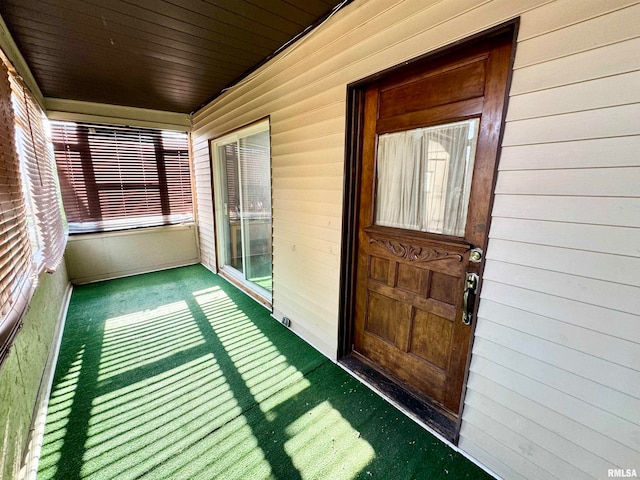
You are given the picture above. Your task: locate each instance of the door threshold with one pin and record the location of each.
(432, 415)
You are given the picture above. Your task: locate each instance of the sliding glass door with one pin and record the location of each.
(242, 186)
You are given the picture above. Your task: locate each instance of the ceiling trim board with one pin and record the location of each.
(74, 110)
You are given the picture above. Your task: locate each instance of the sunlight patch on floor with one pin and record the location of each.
(263, 368)
(163, 422)
(323, 444)
(141, 338)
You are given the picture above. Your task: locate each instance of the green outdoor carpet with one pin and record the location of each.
(178, 375)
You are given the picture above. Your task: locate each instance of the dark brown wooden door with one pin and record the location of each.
(411, 274)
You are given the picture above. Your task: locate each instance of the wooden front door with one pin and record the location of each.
(429, 149)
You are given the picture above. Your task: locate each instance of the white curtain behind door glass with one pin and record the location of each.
(424, 177)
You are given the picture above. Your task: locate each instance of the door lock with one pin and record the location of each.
(469, 298)
(475, 256)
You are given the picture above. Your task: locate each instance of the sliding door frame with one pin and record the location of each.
(223, 266)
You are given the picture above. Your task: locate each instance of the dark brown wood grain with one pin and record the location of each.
(169, 56)
(409, 285)
(455, 85)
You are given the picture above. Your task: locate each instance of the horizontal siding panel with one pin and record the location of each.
(261, 101)
(326, 184)
(589, 210)
(587, 182)
(297, 194)
(604, 92)
(207, 235)
(201, 153)
(574, 431)
(318, 129)
(283, 112)
(474, 450)
(605, 122)
(573, 454)
(318, 308)
(515, 459)
(618, 324)
(536, 454)
(540, 342)
(613, 427)
(335, 140)
(593, 393)
(201, 145)
(297, 245)
(297, 239)
(577, 154)
(618, 297)
(316, 157)
(612, 268)
(306, 329)
(305, 118)
(289, 267)
(332, 225)
(316, 320)
(594, 238)
(317, 232)
(600, 62)
(301, 171)
(604, 30)
(558, 15)
(303, 207)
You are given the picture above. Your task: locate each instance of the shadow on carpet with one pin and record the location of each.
(178, 375)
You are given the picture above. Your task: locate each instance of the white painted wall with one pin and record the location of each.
(554, 388)
(101, 256)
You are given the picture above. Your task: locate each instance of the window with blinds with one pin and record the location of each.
(32, 231)
(47, 230)
(114, 178)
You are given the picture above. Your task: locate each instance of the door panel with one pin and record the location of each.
(441, 88)
(410, 281)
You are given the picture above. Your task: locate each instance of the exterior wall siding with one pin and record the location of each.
(553, 390)
(554, 383)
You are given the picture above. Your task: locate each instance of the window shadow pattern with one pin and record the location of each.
(178, 375)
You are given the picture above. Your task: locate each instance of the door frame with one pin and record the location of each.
(241, 284)
(431, 415)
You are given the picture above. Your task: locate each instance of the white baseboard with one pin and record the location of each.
(31, 456)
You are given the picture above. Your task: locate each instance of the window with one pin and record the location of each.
(115, 178)
(424, 177)
(32, 231)
(242, 180)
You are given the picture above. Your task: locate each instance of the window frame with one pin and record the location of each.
(86, 154)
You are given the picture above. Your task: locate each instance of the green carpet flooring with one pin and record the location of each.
(178, 375)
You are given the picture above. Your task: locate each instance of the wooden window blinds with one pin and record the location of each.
(32, 232)
(114, 178)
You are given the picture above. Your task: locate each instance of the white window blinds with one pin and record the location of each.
(32, 234)
(44, 212)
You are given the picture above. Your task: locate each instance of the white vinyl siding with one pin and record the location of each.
(555, 374)
(303, 91)
(553, 390)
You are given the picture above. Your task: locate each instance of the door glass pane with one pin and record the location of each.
(255, 165)
(424, 177)
(230, 228)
